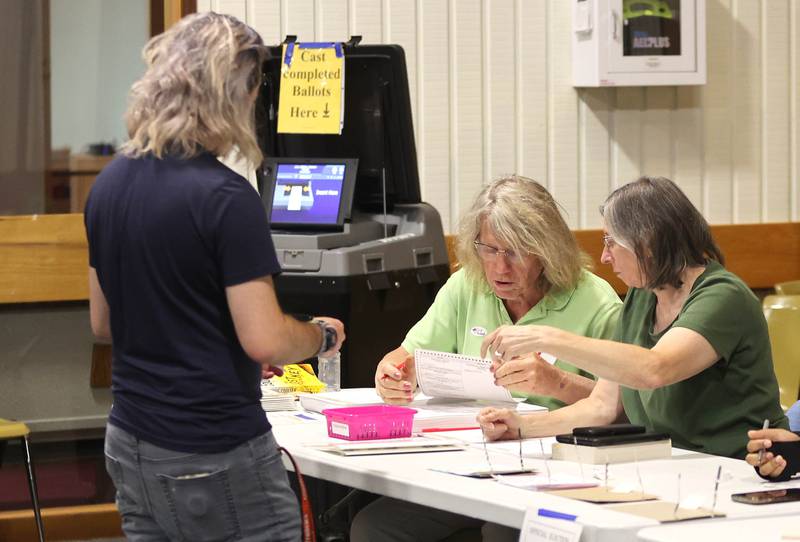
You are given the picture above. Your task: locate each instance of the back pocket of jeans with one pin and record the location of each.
(202, 505)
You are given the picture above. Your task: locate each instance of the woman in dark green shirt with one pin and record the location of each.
(692, 356)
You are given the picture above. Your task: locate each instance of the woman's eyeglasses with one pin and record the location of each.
(609, 241)
(489, 253)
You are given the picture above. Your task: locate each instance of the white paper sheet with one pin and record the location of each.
(442, 374)
(542, 482)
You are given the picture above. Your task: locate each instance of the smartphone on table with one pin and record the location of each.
(769, 496)
(609, 435)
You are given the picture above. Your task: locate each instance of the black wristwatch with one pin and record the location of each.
(329, 336)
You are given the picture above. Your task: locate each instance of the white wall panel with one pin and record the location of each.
(775, 137)
(656, 132)
(595, 167)
(562, 117)
(531, 90)
(366, 20)
(626, 152)
(500, 59)
(237, 8)
(687, 130)
(794, 112)
(298, 18)
(491, 93)
(333, 20)
(718, 112)
(265, 17)
(748, 72)
(433, 105)
(466, 115)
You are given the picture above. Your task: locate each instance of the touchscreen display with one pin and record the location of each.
(308, 194)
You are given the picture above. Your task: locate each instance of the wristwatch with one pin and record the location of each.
(329, 336)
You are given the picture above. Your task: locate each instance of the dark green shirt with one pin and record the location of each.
(711, 411)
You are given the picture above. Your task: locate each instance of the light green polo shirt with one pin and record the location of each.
(711, 411)
(463, 314)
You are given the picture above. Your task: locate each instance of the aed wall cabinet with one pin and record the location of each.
(638, 42)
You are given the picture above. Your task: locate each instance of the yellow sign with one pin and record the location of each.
(312, 89)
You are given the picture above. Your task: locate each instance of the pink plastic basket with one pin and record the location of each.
(369, 422)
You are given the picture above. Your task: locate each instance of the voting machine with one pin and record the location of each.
(354, 239)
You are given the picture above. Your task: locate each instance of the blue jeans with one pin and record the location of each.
(241, 494)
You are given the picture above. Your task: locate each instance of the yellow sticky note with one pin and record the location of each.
(311, 90)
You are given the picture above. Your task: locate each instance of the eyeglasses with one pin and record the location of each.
(489, 253)
(609, 241)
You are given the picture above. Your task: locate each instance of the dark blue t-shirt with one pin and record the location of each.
(166, 237)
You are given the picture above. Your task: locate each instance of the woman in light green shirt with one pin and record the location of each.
(693, 358)
(520, 265)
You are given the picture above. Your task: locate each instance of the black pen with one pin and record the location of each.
(761, 451)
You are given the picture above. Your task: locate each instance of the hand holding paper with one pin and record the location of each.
(531, 374)
(396, 377)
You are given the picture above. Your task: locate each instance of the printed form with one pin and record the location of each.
(442, 374)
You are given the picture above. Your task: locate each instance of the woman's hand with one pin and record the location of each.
(528, 374)
(396, 378)
(499, 423)
(509, 342)
(762, 439)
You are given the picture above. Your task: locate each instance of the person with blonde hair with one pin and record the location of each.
(520, 265)
(180, 279)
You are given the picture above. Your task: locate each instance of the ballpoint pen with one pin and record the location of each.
(716, 489)
(486, 451)
(544, 458)
(400, 367)
(761, 451)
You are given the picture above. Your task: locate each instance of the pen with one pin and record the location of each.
(761, 451)
(545, 513)
(440, 429)
(400, 367)
(716, 489)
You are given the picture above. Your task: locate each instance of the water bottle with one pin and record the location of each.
(330, 371)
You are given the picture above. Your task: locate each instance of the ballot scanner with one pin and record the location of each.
(353, 237)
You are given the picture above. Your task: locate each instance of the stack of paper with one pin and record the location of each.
(432, 412)
(317, 402)
(391, 446)
(618, 453)
(272, 400)
(280, 392)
